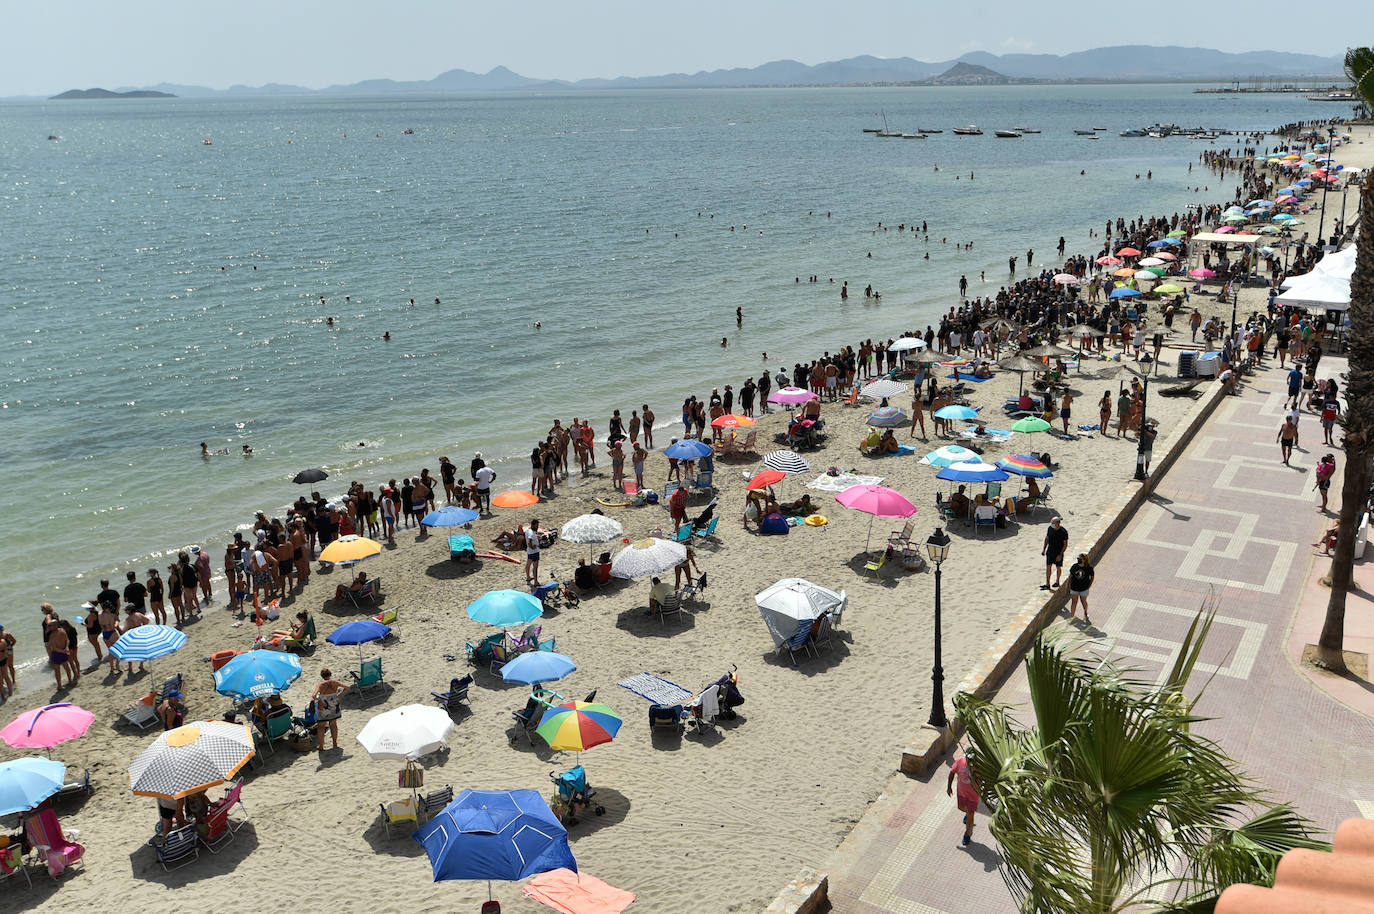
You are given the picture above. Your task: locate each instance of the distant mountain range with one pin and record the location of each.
(106, 93)
(1130, 63)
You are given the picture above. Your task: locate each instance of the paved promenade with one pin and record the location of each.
(1228, 519)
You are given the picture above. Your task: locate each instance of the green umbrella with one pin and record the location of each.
(1030, 424)
(1169, 289)
(1158, 271)
(1176, 233)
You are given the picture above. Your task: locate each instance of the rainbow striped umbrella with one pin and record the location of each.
(577, 726)
(1025, 465)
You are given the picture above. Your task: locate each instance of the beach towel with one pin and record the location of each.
(903, 450)
(991, 432)
(656, 689)
(960, 376)
(828, 483)
(1087, 428)
(577, 893)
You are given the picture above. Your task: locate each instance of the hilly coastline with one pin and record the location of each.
(106, 93)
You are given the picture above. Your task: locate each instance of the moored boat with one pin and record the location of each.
(970, 130)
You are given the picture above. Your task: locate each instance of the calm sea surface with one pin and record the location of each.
(158, 292)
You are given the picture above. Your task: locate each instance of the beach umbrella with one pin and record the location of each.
(308, 476)
(48, 726)
(350, 550)
(876, 501)
(1165, 256)
(791, 396)
(956, 412)
(1168, 288)
(888, 417)
(1030, 424)
(1025, 465)
(1261, 203)
(406, 733)
(1128, 252)
(1066, 279)
(787, 461)
(1020, 363)
(147, 642)
(191, 758)
(495, 834)
(647, 556)
(515, 498)
(881, 388)
(359, 632)
(591, 528)
(1177, 233)
(1125, 272)
(767, 478)
(257, 674)
(1148, 275)
(577, 726)
(688, 449)
(1160, 243)
(1048, 351)
(972, 472)
(950, 454)
(927, 357)
(1078, 331)
(534, 667)
(1123, 292)
(1152, 261)
(449, 516)
(792, 601)
(1225, 229)
(505, 608)
(26, 782)
(1292, 222)
(906, 344)
(730, 420)
(1237, 219)
(1201, 273)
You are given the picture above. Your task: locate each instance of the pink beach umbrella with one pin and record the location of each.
(791, 396)
(1065, 279)
(45, 727)
(877, 501)
(1201, 273)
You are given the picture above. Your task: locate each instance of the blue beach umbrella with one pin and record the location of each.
(688, 449)
(1124, 293)
(148, 642)
(449, 516)
(495, 834)
(359, 632)
(505, 608)
(257, 674)
(972, 472)
(26, 782)
(956, 412)
(535, 667)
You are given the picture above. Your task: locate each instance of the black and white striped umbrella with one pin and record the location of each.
(191, 758)
(881, 388)
(786, 462)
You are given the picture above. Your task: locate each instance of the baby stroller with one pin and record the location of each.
(573, 796)
(717, 701)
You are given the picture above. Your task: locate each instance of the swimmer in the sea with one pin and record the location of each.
(204, 449)
(248, 450)
(387, 335)
(538, 325)
(436, 300)
(724, 342)
(329, 321)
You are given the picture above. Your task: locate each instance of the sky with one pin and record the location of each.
(56, 45)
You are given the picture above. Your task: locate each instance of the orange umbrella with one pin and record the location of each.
(515, 498)
(1125, 271)
(730, 420)
(766, 479)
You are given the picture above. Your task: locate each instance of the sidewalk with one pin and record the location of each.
(1228, 519)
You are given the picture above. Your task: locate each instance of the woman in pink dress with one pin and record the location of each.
(968, 794)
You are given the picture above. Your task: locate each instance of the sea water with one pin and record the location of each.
(165, 263)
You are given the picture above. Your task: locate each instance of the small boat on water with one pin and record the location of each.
(873, 130)
(1083, 132)
(1007, 134)
(970, 130)
(1092, 136)
(1025, 129)
(1133, 132)
(1099, 128)
(206, 143)
(913, 136)
(928, 130)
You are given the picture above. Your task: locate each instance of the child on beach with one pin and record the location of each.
(967, 799)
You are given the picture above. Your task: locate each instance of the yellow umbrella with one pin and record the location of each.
(515, 498)
(1169, 288)
(348, 550)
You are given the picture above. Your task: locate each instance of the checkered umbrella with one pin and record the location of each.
(786, 461)
(190, 759)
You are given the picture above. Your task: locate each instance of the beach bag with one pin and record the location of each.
(410, 777)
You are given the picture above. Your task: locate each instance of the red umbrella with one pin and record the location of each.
(730, 420)
(1108, 261)
(1128, 252)
(766, 479)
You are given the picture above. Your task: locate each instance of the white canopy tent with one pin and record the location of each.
(1326, 287)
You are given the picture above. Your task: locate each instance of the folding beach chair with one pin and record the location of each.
(798, 641)
(48, 841)
(693, 592)
(368, 593)
(457, 694)
(177, 847)
(369, 676)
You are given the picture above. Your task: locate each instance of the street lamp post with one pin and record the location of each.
(937, 547)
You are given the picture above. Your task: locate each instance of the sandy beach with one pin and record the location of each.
(703, 823)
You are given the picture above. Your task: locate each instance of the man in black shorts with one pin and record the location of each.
(1056, 541)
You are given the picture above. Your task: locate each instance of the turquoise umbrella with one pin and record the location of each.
(505, 608)
(257, 674)
(26, 782)
(147, 642)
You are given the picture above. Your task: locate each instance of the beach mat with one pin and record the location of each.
(903, 450)
(828, 483)
(655, 689)
(577, 893)
(958, 375)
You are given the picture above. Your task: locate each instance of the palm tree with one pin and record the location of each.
(1358, 421)
(1110, 801)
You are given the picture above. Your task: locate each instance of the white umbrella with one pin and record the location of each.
(591, 528)
(647, 556)
(406, 733)
(877, 390)
(792, 601)
(907, 342)
(1152, 262)
(786, 461)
